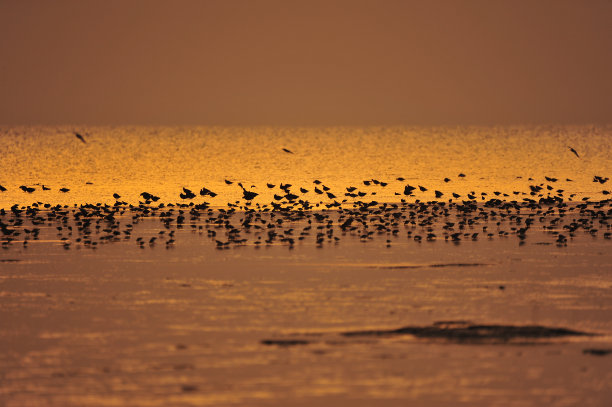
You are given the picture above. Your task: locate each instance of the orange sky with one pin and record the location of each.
(305, 62)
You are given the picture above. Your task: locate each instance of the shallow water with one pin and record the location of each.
(122, 323)
(130, 160)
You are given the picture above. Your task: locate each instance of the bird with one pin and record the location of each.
(27, 189)
(228, 182)
(80, 137)
(64, 190)
(248, 195)
(408, 189)
(116, 195)
(601, 180)
(187, 194)
(45, 188)
(2, 189)
(287, 151)
(205, 191)
(573, 151)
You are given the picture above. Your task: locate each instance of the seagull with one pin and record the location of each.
(287, 151)
(573, 151)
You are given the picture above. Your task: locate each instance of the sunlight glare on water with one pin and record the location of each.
(162, 160)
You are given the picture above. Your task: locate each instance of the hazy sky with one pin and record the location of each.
(305, 62)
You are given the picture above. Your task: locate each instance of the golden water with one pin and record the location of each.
(130, 160)
(122, 324)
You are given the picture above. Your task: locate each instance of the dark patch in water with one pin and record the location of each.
(10, 260)
(458, 265)
(465, 332)
(435, 265)
(284, 342)
(597, 352)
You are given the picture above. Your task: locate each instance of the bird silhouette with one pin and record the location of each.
(205, 191)
(187, 194)
(408, 189)
(248, 195)
(2, 189)
(601, 180)
(80, 137)
(287, 151)
(573, 151)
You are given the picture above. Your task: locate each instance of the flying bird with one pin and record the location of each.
(79, 136)
(287, 151)
(573, 151)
